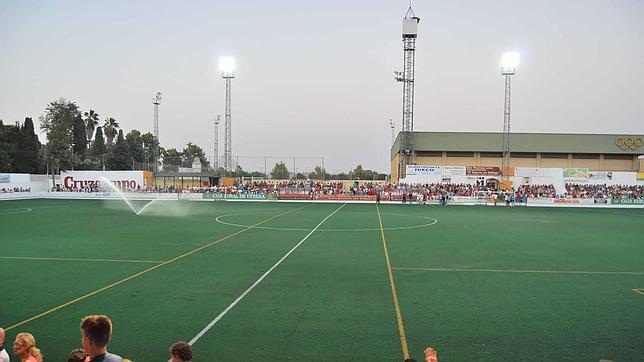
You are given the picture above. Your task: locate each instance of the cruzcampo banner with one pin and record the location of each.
(222, 196)
(640, 175)
(627, 201)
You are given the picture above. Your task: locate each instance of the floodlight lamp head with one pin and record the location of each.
(227, 67)
(509, 63)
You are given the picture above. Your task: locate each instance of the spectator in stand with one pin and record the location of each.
(25, 347)
(4, 356)
(96, 331)
(180, 352)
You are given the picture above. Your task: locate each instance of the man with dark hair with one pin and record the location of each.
(180, 352)
(97, 332)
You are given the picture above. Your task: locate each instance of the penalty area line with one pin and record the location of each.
(236, 301)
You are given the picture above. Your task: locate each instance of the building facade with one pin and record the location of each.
(598, 152)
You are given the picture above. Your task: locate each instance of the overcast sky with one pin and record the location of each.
(316, 78)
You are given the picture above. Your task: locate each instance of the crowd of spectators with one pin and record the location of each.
(431, 191)
(578, 191)
(96, 333)
(7, 190)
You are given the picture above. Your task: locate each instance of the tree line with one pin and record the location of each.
(78, 140)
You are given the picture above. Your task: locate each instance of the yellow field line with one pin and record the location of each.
(82, 259)
(523, 271)
(401, 326)
(638, 290)
(145, 271)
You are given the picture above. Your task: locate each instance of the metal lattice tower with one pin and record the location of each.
(506, 129)
(509, 62)
(406, 77)
(156, 101)
(215, 162)
(228, 137)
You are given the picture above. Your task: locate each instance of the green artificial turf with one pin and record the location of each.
(476, 283)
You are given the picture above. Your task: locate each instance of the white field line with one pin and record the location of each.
(25, 210)
(82, 259)
(236, 301)
(523, 271)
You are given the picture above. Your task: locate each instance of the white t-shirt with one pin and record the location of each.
(4, 356)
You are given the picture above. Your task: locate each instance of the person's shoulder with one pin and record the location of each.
(108, 357)
(111, 357)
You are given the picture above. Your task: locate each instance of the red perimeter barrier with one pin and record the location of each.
(326, 197)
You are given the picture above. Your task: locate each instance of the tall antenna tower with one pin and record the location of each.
(406, 77)
(228, 70)
(215, 162)
(156, 101)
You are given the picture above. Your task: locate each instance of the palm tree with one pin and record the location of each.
(110, 128)
(91, 121)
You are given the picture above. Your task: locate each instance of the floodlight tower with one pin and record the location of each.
(406, 77)
(156, 101)
(228, 70)
(215, 158)
(509, 63)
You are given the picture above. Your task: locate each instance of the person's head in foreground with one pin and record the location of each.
(180, 352)
(25, 347)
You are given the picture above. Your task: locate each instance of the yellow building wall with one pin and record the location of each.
(617, 165)
(394, 168)
(430, 161)
(523, 162)
(490, 161)
(590, 164)
(553, 163)
(460, 161)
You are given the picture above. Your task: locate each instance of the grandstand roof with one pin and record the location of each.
(525, 142)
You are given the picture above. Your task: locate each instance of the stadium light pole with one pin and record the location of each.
(228, 70)
(391, 124)
(509, 63)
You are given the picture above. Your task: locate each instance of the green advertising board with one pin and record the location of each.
(222, 196)
(627, 201)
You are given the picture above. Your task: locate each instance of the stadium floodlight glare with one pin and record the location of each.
(509, 63)
(227, 67)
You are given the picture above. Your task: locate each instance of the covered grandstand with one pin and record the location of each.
(596, 152)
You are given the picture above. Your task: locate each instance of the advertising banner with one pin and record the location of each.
(416, 170)
(627, 201)
(526, 172)
(578, 173)
(640, 176)
(600, 175)
(5, 178)
(483, 171)
(421, 170)
(131, 180)
(222, 196)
